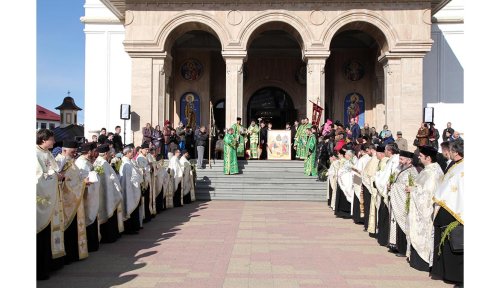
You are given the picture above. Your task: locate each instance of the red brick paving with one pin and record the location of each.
(244, 244)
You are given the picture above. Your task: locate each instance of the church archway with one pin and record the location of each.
(354, 69)
(220, 114)
(271, 104)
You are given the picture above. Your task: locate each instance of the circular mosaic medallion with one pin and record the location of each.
(191, 69)
(353, 70)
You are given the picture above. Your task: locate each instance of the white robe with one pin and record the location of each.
(175, 167)
(72, 191)
(110, 195)
(360, 166)
(398, 196)
(91, 200)
(450, 193)
(46, 188)
(345, 178)
(187, 177)
(160, 175)
(420, 225)
(130, 180)
(382, 177)
(332, 181)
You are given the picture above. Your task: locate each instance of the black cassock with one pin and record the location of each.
(367, 197)
(342, 206)
(449, 265)
(43, 253)
(109, 229)
(160, 202)
(93, 237)
(147, 200)
(71, 242)
(177, 196)
(401, 243)
(133, 224)
(356, 212)
(384, 222)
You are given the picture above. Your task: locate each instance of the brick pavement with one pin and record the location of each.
(244, 244)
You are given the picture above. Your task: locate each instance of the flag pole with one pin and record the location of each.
(210, 138)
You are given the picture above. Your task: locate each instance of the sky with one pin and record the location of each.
(60, 54)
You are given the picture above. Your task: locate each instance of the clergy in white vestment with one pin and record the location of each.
(91, 194)
(143, 164)
(375, 195)
(49, 214)
(367, 177)
(332, 180)
(187, 178)
(343, 199)
(448, 259)
(358, 212)
(168, 185)
(110, 198)
(177, 171)
(421, 208)
(130, 182)
(398, 200)
(383, 179)
(72, 190)
(151, 156)
(158, 175)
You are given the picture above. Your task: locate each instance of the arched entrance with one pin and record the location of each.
(273, 69)
(197, 73)
(354, 77)
(271, 104)
(220, 114)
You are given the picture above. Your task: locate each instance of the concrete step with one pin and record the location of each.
(258, 190)
(252, 180)
(262, 197)
(259, 180)
(305, 188)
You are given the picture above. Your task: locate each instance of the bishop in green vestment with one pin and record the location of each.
(298, 142)
(253, 131)
(303, 139)
(230, 160)
(238, 129)
(310, 166)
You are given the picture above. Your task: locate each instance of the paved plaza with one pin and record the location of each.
(244, 244)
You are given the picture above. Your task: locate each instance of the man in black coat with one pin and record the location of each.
(263, 140)
(117, 140)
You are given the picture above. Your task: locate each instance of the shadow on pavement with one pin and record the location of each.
(118, 263)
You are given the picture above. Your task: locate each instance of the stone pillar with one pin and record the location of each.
(146, 90)
(164, 90)
(403, 88)
(315, 81)
(234, 86)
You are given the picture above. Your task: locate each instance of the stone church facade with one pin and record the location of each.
(261, 59)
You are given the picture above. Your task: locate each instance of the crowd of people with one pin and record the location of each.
(92, 192)
(410, 202)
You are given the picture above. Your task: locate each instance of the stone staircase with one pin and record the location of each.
(259, 180)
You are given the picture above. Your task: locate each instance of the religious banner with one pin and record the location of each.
(354, 107)
(279, 145)
(190, 109)
(316, 115)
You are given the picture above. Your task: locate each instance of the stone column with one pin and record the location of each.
(164, 90)
(146, 91)
(234, 86)
(315, 81)
(403, 88)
